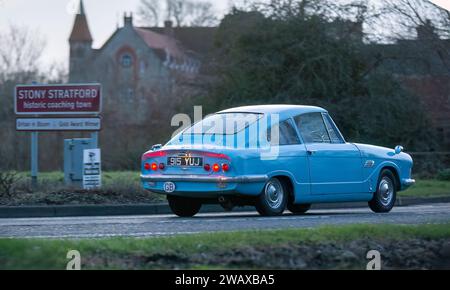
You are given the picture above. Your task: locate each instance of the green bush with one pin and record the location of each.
(444, 175)
(8, 182)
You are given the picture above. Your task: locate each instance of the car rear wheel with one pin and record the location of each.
(384, 198)
(272, 201)
(298, 208)
(183, 206)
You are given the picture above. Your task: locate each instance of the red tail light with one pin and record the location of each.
(161, 166)
(216, 167)
(207, 167)
(147, 166)
(154, 166)
(225, 167)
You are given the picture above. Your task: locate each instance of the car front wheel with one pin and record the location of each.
(183, 206)
(272, 201)
(384, 198)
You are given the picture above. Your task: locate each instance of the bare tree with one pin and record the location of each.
(20, 52)
(149, 11)
(404, 16)
(354, 10)
(182, 12)
(201, 14)
(57, 72)
(422, 19)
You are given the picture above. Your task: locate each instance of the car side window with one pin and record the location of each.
(332, 131)
(312, 128)
(287, 134)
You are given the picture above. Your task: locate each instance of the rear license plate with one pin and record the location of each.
(185, 161)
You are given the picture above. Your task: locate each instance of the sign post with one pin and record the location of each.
(34, 158)
(94, 137)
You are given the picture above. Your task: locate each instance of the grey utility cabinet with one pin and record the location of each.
(73, 159)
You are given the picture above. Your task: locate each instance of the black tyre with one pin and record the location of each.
(183, 206)
(298, 208)
(272, 201)
(384, 198)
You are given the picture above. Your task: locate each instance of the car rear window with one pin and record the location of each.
(223, 124)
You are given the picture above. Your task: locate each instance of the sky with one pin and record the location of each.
(443, 3)
(53, 20)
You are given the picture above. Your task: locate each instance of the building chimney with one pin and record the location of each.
(168, 28)
(128, 20)
(426, 31)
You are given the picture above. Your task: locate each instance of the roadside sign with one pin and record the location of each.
(92, 169)
(67, 99)
(58, 124)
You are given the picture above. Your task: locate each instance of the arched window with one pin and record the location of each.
(126, 60)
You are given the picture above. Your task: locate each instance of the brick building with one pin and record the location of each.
(139, 67)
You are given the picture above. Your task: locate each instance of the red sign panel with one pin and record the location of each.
(58, 99)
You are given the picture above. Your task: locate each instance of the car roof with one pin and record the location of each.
(291, 110)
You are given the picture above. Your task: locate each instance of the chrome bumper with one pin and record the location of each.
(408, 182)
(205, 179)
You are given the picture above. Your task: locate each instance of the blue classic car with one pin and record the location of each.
(273, 157)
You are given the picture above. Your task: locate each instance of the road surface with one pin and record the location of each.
(162, 225)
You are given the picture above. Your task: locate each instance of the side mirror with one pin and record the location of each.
(398, 149)
(156, 147)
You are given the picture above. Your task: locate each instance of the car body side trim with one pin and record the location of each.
(205, 179)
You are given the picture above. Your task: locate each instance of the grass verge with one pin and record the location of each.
(427, 188)
(293, 248)
(122, 187)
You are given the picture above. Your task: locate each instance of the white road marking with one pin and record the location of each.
(99, 236)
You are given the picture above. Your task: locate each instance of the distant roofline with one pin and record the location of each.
(177, 27)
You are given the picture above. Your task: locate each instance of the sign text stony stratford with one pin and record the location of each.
(57, 99)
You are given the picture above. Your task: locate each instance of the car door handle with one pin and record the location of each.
(311, 152)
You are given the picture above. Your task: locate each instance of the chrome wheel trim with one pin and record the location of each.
(274, 193)
(386, 191)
